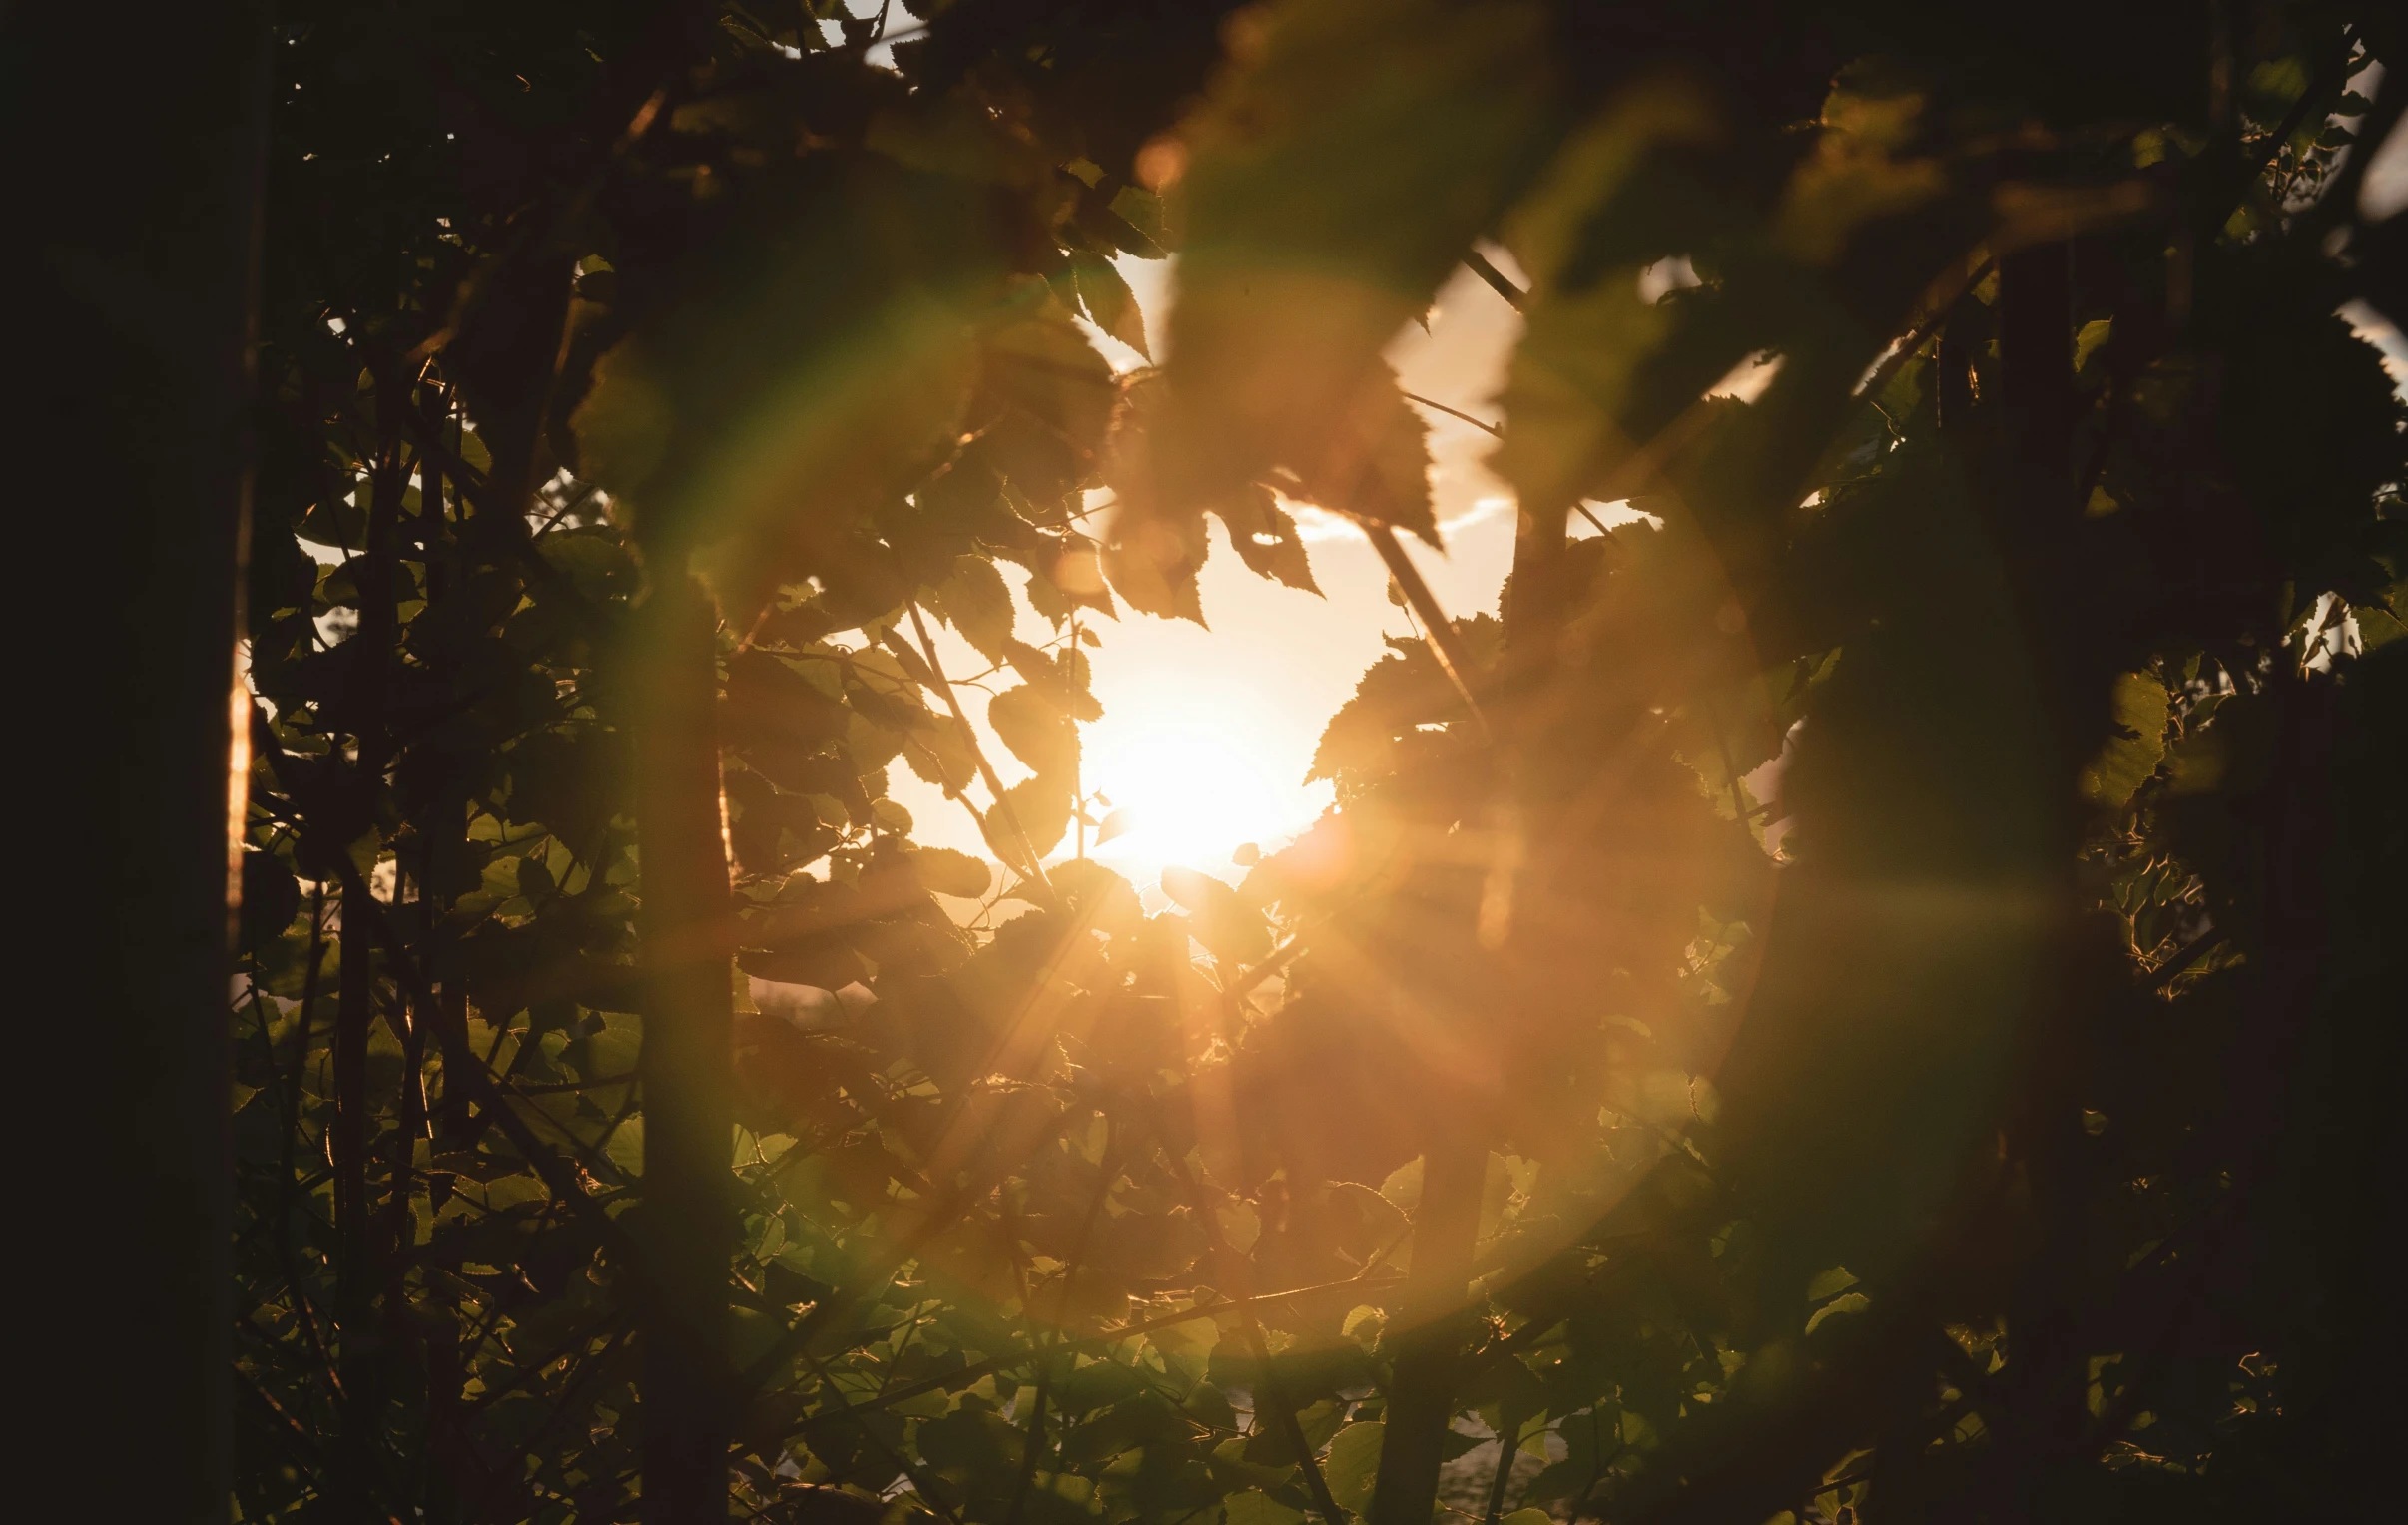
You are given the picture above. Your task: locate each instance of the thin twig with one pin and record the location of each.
(2171, 970)
(1437, 630)
(1495, 431)
(480, 1083)
(1271, 1392)
(986, 771)
(1492, 429)
(1270, 964)
(1104, 1342)
(856, 1413)
(1509, 1447)
(1478, 264)
(1936, 310)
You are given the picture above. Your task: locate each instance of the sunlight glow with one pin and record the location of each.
(1193, 792)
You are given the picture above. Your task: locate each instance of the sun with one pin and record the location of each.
(1189, 792)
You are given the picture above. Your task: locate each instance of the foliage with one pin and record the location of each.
(1980, 1117)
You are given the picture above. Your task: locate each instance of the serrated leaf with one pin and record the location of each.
(626, 1147)
(2132, 754)
(1255, 1507)
(1335, 183)
(977, 602)
(1040, 806)
(1264, 536)
(948, 872)
(1152, 561)
(1036, 730)
(2088, 341)
(1353, 1466)
(1828, 1283)
(1847, 1303)
(1233, 930)
(1109, 301)
(1570, 381)
(1043, 407)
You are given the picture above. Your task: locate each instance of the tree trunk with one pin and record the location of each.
(2042, 1443)
(1421, 1387)
(358, 1265)
(134, 169)
(1446, 1224)
(688, 1118)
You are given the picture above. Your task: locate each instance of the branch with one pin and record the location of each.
(555, 1172)
(1478, 264)
(1272, 1392)
(1104, 1342)
(1437, 629)
(986, 771)
(797, 1340)
(1496, 431)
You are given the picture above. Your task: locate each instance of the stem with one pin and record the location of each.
(2044, 1422)
(954, 1380)
(1509, 1447)
(1271, 1394)
(1421, 1388)
(1437, 629)
(986, 771)
(1446, 1224)
(1478, 264)
(290, 1101)
(1078, 765)
(356, 1272)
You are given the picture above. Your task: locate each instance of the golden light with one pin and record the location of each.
(1190, 789)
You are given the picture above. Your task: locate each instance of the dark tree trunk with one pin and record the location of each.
(1455, 1160)
(2042, 1449)
(1421, 1388)
(688, 1118)
(135, 157)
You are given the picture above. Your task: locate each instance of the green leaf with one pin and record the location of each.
(948, 872)
(978, 602)
(1336, 179)
(1264, 536)
(1850, 1303)
(1043, 407)
(1573, 378)
(1040, 806)
(626, 1147)
(1255, 1507)
(1037, 732)
(1829, 1282)
(1353, 1466)
(2133, 752)
(1234, 932)
(1152, 559)
(2088, 341)
(939, 753)
(623, 426)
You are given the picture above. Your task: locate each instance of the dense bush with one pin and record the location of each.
(1991, 1122)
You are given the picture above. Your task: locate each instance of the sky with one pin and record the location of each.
(1207, 733)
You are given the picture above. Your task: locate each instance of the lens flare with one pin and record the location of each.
(1190, 793)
